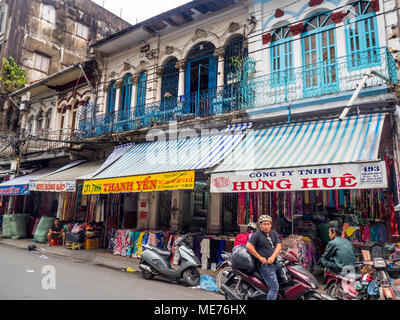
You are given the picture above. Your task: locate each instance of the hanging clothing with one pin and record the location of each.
(221, 249)
(205, 253)
(153, 239)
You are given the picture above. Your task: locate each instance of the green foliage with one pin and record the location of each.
(12, 77)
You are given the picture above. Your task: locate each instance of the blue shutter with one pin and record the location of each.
(212, 74)
(141, 96)
(187, 86)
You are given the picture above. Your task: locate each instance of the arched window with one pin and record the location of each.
(234, 52)
(281, 57)
(319, 55)
(48, 119)
(40, 121)
(141, 94)
(362, 36)
(31, 126)
(111, 97)
(126, 96)
(169, 84)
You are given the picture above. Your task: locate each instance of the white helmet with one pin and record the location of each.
(264, 218)
(252, 225)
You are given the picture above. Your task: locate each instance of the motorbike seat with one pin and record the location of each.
(161, 252)
(346, 275)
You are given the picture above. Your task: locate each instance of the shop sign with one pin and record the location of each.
(147, 183)
(53, 186)
(330, 177)
(15, 190)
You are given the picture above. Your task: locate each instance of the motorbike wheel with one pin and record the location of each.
(335, 290)
(239, 291)
(191, 277)
(147, 275)
(221, 279)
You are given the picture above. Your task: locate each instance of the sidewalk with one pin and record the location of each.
(96, 256)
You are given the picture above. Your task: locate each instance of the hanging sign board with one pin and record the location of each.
(53, 186)
(330, 177)
(147, 183)
(16, 190)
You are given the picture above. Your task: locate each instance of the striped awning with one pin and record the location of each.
(307, 143)
(20, 185)
(117, 153)
(188, 152)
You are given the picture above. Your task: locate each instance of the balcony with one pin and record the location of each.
(294, 84)
(328, 77)
(49, 141)
(198, 104)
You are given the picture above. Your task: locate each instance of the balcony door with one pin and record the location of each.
(320, 70)
(200, 79)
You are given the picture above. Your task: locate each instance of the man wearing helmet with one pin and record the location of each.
(265, 245)
(242, 238)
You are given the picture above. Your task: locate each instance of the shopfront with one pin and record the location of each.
(307, 174)
(62, 191)
(19, 188)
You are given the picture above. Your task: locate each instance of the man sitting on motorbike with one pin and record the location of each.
(265, 245)
(339, 253)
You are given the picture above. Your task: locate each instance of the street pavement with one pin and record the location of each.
(28, 275)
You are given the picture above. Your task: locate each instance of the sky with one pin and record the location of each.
(139, 10)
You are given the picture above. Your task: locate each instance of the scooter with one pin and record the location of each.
(345, 286)
(155, 261)
(295, 283)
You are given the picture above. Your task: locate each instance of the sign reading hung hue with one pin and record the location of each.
(53, 186)
(146, 183)
(17, 190)
(330, 177)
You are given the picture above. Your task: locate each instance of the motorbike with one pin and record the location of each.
(344, 286)
(295, 282)
(355, 287)
(155, 261)
(223, 269)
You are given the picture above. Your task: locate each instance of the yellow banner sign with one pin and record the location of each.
(147, 183)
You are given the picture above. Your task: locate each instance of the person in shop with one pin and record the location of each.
(243, 238)
(56, 231)
(339, 252)
(265, 246)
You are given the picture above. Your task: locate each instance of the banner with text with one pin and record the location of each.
(330, 177)
(147, 183)
(53, 186)
(16, 190)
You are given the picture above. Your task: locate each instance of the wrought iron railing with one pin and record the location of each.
(198, 104)
(49, 140)
(319, 79)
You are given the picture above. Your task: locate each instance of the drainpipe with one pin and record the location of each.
(357, 92)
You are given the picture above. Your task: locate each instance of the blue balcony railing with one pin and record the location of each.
(311, 81)
(198, 104)
(319, 79)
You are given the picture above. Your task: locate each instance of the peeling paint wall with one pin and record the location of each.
(30, 34)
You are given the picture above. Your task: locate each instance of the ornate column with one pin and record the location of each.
(159, 83)
(67, 122)
(118, 97)
(181, 85)
(135, 83)
(220, 54)
(24, 121)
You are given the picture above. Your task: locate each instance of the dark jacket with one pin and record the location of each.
(338, 254)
